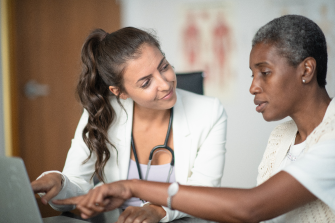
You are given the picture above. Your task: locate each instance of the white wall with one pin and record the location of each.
(247, 131)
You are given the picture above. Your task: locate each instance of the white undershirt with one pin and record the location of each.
(293, 154)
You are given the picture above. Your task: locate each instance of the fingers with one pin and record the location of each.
(97, 200)
(92, 204)
(138, 215)
(101, 196)
(49, 184)
(37, 187)
(112, 203)
(41, 185)
(49, 195)
(87, 209)
(132, 214)
(89, 205)
(69, 201)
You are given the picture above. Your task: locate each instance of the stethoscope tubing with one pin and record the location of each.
(165, 146)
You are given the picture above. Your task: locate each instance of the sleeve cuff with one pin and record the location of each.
(166, 217)
(47, 172)
(61, 195)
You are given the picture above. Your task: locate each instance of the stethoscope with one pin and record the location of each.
(165, 146)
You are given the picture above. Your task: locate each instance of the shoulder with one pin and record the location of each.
(325, 131)
(201, 113)
(200, 109)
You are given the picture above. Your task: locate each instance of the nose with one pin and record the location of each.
(255, 87)
(162, 83)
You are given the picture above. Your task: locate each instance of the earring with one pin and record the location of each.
(303, 81)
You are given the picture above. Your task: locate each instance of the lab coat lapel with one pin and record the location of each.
(123, 135)
(181, 141)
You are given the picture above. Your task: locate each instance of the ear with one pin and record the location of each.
(116, 91)
(309, 70)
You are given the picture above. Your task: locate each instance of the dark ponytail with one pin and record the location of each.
(104, 57)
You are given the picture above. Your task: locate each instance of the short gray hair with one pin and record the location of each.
(296, 38)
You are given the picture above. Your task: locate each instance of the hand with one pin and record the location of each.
(50, 184)
(103, 198)
(149, 213)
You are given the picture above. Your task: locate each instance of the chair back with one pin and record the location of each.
(193, 81)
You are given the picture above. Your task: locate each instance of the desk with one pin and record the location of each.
(106, 217)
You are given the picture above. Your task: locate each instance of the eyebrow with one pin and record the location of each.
(261, 63)
(142, 78)
(160, 63)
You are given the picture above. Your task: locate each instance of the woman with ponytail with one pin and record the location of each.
(131, 104)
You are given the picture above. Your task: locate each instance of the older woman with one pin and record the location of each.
(297, 174)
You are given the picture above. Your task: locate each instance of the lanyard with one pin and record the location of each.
(164, 146)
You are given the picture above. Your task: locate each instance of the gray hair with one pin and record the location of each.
(296, 38)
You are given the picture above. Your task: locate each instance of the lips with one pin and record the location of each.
(168, 95)
(260, 105)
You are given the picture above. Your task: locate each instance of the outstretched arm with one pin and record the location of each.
(278, 195)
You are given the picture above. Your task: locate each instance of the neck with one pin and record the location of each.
(310, 113)
(150, 116)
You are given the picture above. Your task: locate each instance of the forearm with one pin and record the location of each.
(278, 195)
(218, 204)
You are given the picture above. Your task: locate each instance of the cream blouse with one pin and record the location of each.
(276, 151)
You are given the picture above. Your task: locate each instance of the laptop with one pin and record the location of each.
(17, 200)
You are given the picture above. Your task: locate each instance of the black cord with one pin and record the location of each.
(169, 128)
(136, 159)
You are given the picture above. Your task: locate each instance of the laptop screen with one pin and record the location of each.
(18, 203)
